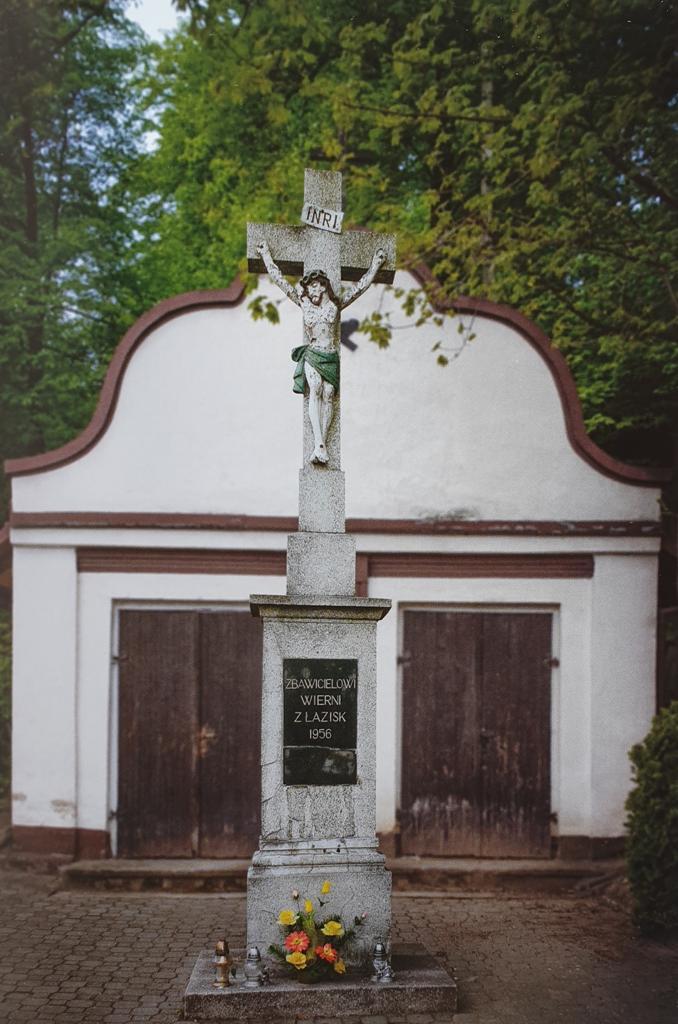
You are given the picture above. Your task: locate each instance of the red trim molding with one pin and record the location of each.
(191, 301)
(182, 560)
(97, 426)
(289, 524)
(152, 521)
(87, 843)
(446, 566)
(508, 527)
(273, 563)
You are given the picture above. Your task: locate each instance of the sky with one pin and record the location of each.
(155, 16)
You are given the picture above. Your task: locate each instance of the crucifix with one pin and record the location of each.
(322, 255)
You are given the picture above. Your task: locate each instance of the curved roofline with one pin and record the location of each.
(233, 295)
(108, 398)
(562, 376)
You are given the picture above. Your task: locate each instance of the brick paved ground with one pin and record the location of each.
(91, 958)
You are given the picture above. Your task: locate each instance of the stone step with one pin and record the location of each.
(410, 874)
(421, 986)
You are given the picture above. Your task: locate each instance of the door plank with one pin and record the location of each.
(230, 733)
(440, 779)
(158, 673)
(515, 735)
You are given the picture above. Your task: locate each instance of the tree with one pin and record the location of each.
(652, 848)
(235, 110)
(67, 131)
(525, 151)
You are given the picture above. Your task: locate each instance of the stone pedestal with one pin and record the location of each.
(318, 763)
(325, 832)
(318, 791)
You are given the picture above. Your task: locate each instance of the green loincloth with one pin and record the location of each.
(326, 363)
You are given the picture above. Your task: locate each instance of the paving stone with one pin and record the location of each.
(125, 958)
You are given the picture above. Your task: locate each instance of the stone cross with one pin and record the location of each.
(321, 245)
(318, 785)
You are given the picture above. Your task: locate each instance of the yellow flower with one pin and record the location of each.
(326, 888)
(340, 967)
(332, 928)
(298, 960)
(287, 917)
(308, 906)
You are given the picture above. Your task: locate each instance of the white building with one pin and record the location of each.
(516, 667)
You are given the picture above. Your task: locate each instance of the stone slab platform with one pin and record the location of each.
(410, 874)
(421, 986)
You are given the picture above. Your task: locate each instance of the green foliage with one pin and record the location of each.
(5, 700)
(263, 309)
(525, 151)
(68, 131)
(652, 852)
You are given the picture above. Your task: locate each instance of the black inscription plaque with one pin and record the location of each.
(320, 726)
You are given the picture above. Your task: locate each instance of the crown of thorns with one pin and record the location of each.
(321, 276)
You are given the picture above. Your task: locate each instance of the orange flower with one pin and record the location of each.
(326, 952)
(297, 942)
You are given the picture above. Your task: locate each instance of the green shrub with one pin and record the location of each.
(652, 851)
(5, 700)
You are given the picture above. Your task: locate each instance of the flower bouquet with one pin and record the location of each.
(312, 948)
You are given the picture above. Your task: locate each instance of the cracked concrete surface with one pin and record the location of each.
(108, 958)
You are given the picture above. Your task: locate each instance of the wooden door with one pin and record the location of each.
(189, 733)
(476, 734)
(158, 721)
(230, 742)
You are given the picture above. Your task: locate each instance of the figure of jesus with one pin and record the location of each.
(318, 358)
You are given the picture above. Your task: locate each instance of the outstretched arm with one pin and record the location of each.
(275, 275)
(355, 291)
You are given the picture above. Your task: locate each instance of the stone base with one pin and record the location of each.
(322, 501)
(321, 564)
(421, 986)
(359, 884)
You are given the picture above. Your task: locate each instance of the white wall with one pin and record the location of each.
(99, 596)
(601, 698)
(603, 694)
(44, 790)
(624, 602)
(206, 422)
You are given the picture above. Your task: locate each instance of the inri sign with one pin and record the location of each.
(317, 217)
